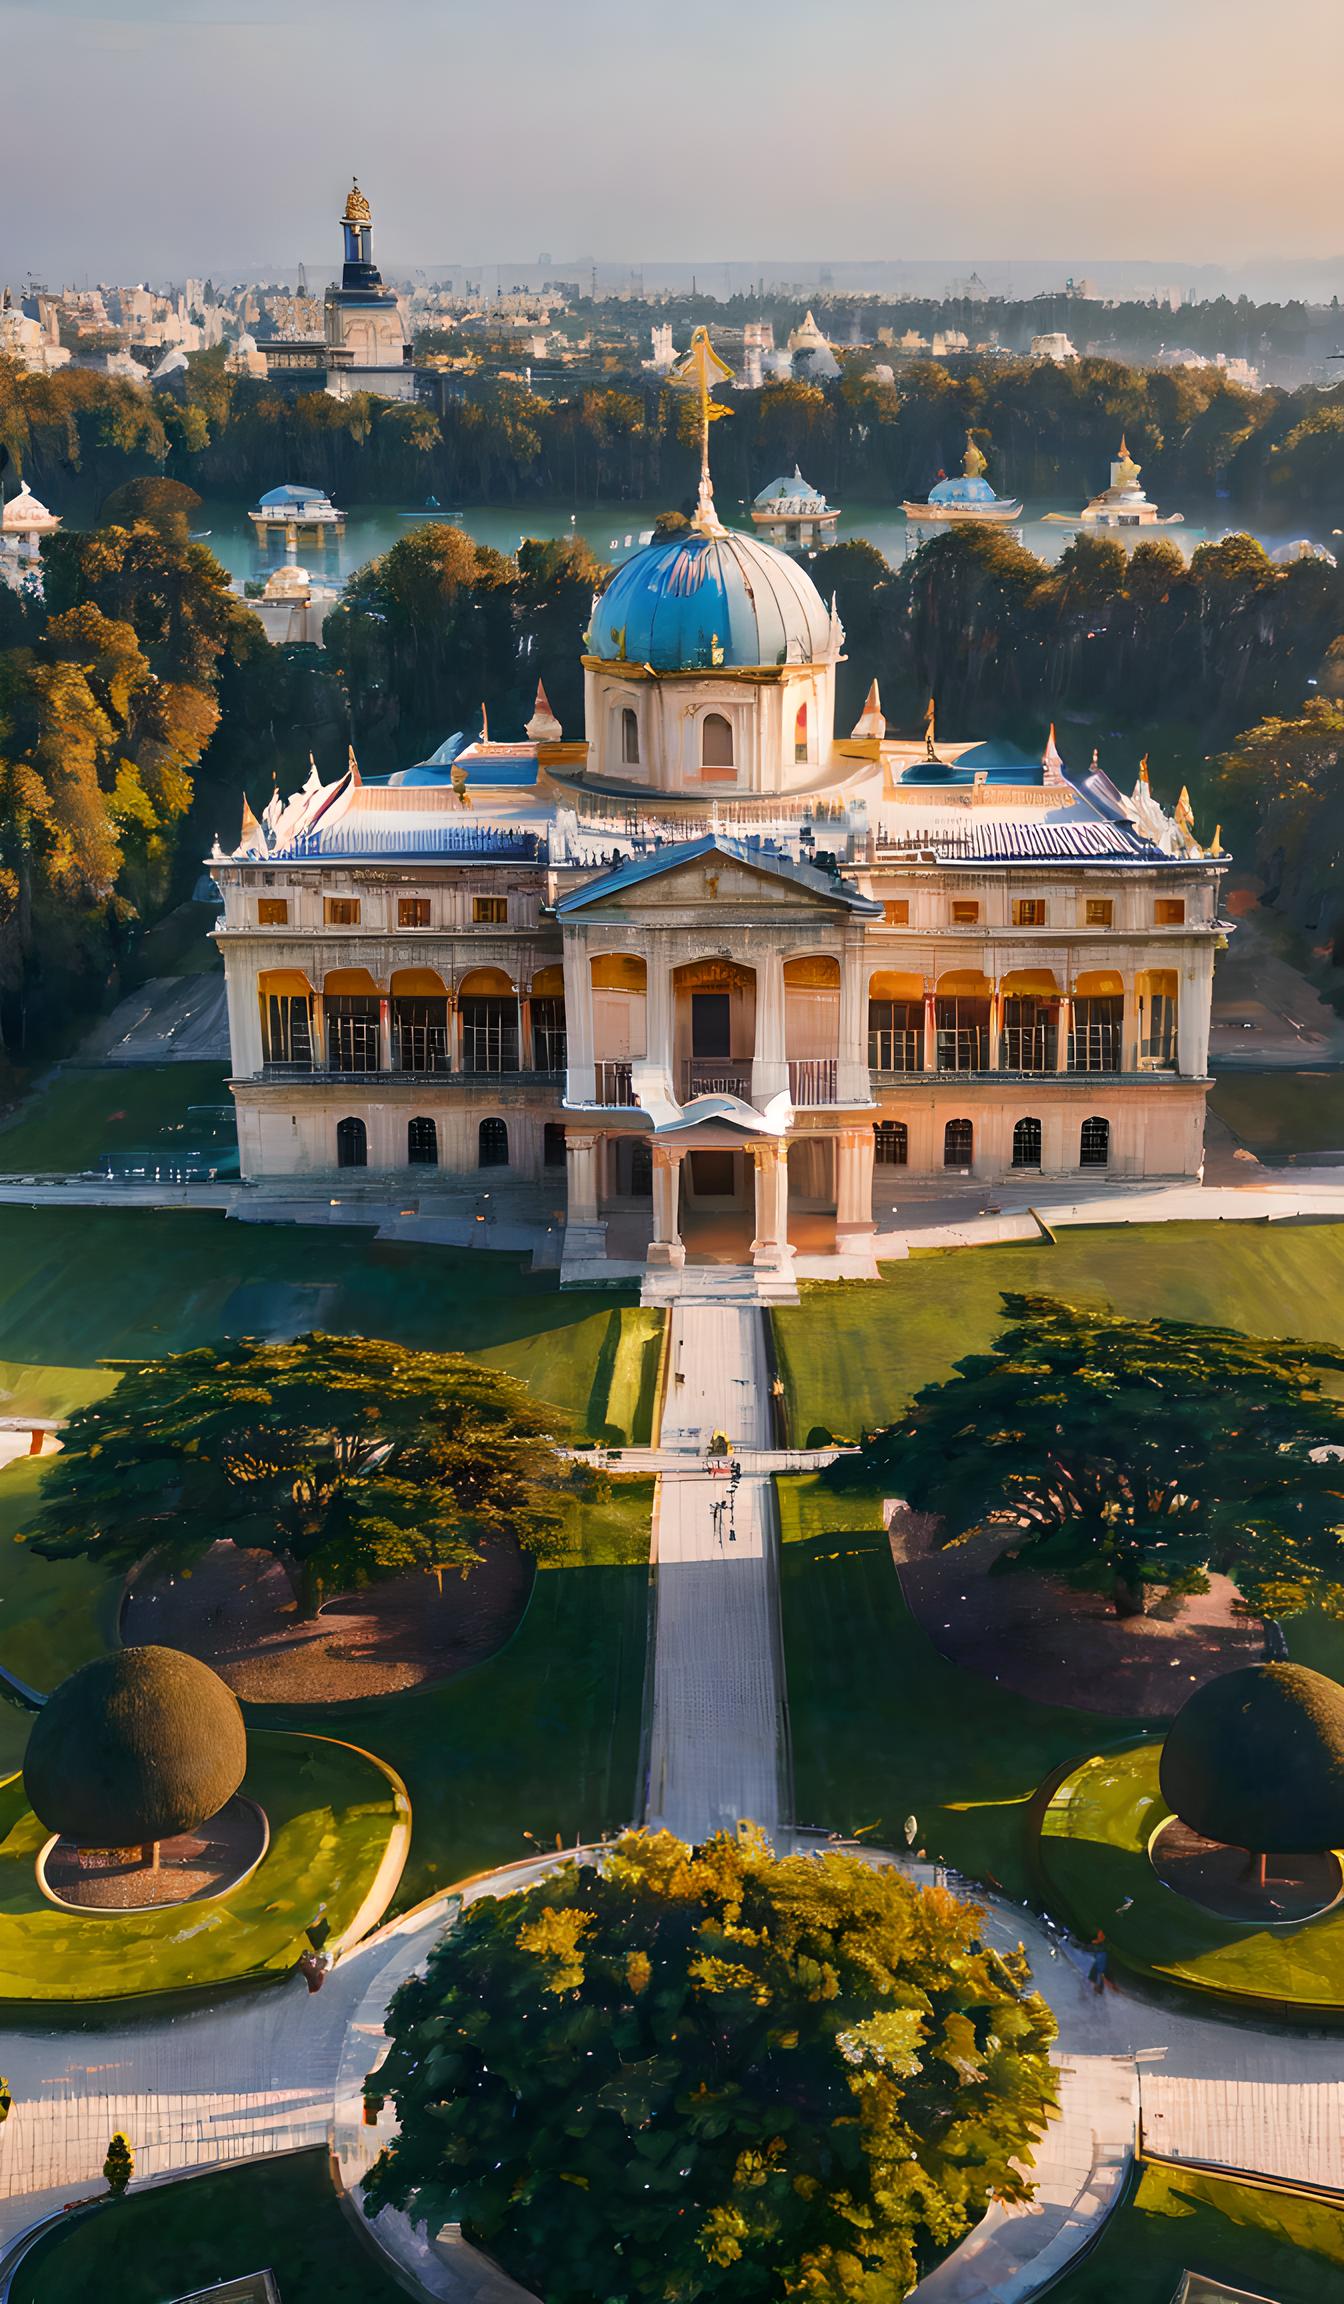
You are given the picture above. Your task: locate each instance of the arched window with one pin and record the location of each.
(800, 735)
(630, 738)
(422, 1143)
(492, 1145)
(1094, 1143)
(892, 1139)
(716, 741)
(1027, 1144)
(553, 1144)
(958, 1144)
(352, 1144)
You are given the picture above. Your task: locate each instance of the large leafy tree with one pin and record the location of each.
(1128, 1453)
(346, 1457)
(713, 2073)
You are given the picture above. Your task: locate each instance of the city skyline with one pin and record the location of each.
(187, 138)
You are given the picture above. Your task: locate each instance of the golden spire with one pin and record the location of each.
(1125, 472)
(701, 368)
(973, 463)
(357, 209)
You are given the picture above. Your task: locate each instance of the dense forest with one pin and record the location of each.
(1049, 432)
(139, 699)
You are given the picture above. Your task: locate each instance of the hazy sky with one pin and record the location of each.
(161, 136)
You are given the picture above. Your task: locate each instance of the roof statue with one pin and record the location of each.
(974, 463)
(1051, 761)
(1124, 471)
(357, 209)
(543, 727)
(701, 368)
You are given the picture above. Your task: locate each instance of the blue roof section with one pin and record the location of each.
(690, 602)
(962, 491)
(355, 837)
(641, 869)
(292, 493)
(1027, 843)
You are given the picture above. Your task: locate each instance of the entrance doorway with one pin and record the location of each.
(718, 1205)
(711, 1024)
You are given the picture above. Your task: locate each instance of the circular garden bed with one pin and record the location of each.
(1098, 1831)
(236, 1611)
(1227, 1881)
(217, 1856)
(338, 1832)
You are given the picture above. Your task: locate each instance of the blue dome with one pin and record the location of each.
(962, 491)
(694, 601)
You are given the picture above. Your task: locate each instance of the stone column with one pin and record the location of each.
(658, 1019)
(384, 1033)
(995, 1028)
(581, 1151)
(1063, 1027)
(853, 1081)
(770, 1250)
(1192, 1020)
(854, 1151)
(769, 1070)
(930, 1033)
(319, 1032)
(666, 1245)
(454, 1033)
(1131, 1026)
(526, 1054)
(580, 1082)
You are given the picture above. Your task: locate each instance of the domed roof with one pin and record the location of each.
(693, 601)
(1255, 1759)
(967, 488)
(792, 491)
(134, 1747)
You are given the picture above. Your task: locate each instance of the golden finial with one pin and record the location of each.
(1125, 473)
(701, 368)
(357, 209)
(973, 463)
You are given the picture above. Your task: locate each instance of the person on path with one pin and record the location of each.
(1096, 1973)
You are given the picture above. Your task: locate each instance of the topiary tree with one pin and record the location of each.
(346, 1457)
(713, 2073)
(1255, 1758)
(1126, 1453)
(135, 1747)
(119, 2166)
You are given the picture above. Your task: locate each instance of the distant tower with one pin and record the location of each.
(366, 340)
(359, 270)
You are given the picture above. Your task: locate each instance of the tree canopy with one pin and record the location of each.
(713, 2073)
(1125, 1453)
(346, 1457)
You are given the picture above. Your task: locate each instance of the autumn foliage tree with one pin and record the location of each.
(347, 1458)
(713, 2073)
(1123, 1454)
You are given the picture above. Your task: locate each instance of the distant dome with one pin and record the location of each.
(691, 601)
(1255, 1759)
(135, 1747)
(965, 489)
(293, 493)
(795, 491)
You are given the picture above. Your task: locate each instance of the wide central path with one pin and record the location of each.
(716, 1727)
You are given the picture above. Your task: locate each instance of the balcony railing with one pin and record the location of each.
(421, 1048)
(1027, 1048)
(963, 1048)
(714, 1076)
(1095, 1048)
(812, 1079)
(898, 1050)
(614, 1083)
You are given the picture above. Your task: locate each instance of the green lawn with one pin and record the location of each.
(279, 2215)
(54, 1614)
(1249, 2235)
(63, 1128)
(543, 1737)
(1279, 1112)
(853, 1352)
(1094, 1848)
(331, 1812)
(883, 1726)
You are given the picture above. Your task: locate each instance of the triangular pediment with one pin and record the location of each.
(713, 872)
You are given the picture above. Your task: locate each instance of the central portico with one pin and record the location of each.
(717, 1015)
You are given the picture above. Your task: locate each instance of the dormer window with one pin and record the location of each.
(629, 738)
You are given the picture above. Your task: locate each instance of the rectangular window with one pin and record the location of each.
(273, 911)
(1169, 911)
(341, 911)
(1029, 912)
(1100, 912)
(490, 911)
(897, 913)
(412, 911)
(965, 915)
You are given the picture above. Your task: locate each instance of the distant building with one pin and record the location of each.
(1056, 347)
(967, 498)
(23, 524)
(1123, 506)
(795, 515)
(292, 608)
(810, 351)
(293, 511)
(363, 346)
(30, 344)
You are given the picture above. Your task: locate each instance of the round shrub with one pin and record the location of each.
(1255, 1758)
(135, 1747)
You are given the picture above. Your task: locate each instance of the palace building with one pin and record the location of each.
(707, 971)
